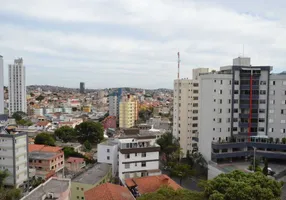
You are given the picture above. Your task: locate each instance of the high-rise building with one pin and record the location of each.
(1, 85)
(13, 155)
(128, 111)
(113, 105)
(17, 87)
(82, 87)
(242, 107)
(186, 111)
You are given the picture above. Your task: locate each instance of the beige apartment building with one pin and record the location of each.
(186, 111)
(128, 111)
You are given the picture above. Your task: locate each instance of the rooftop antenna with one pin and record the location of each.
(243, 50)
(179, 65)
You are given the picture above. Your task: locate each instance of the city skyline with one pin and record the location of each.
(121, 43)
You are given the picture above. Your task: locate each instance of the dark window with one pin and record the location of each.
(143, 164)
(235, 91)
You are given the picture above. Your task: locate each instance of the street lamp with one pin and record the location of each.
(254, 152)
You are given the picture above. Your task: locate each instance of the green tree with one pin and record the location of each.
(168, 145)
(182, 171)
(66, 133)
(91, 131)
(24, 122)
(8, 193)
(19, 115)
(87, 145)
(40, 98)
(45, 138)
(169, 193)
(240, 185)
(32, 94)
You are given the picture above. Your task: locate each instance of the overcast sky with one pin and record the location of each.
(132, 43)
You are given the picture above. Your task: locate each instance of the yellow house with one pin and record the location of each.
(86, 109)
(128, 111)
(98, 174)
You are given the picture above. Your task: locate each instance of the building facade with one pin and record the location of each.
(17, 87)
(242, 107)
(1, 86)
(138, 157)
(128, 111)
(113, 105)
(82, 87)
(14, 157)
(186, 111)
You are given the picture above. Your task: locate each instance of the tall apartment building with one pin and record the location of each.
(1, 85)
(242, 107)
(186, 111)
(82, 87)
(113, 105)
(17, 87)
(13, 155)
(128, 111)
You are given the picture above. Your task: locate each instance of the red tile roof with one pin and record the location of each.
(108, 191)
(149, 184)
(75, 160)
(43, 148)
(42, 123)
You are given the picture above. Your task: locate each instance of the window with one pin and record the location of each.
(220, 101)
(135, 164)
(262, 92)
(261, 110)
(127, 166)
(107, 150)
(283, 130)
(235, 101)
(261, 120)
(221, 82)
(214, 90)
(272, 92)
(272, 82)
(228, 111)
(81, 189)
(271, 130)
(143, 155)
(220, 110)
(77, 197)
(235, 120)
(283, 102)
(135, 154)
(108, 158)
(262, 101)
(235, 110)
(283, 121)
(235, 91)
(283, 111)
(143, 164)
(220, 91)
(219, 120)
(272, 101)
(236, 82)
(262, 82)
(270, 121)
(127, 156)
(77, 188)
(261, 129)
(271, 111)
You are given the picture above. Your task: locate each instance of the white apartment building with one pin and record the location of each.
(107, 152)
(131, 156)
(138, 157)
(14, 156)
(240, 105)
(113, 105)
(17, 87)
(186, 110)
(1, 86)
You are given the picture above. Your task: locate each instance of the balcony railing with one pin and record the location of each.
(254, 115)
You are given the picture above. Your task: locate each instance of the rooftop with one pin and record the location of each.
(75, 160)
(41, 155)
(93, 175)
(108, 191)
(149, 184)
(53, 185)
(110, 142)
(43, 148)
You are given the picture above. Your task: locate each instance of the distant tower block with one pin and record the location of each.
(82, 87)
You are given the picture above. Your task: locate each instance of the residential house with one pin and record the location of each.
(75, 164)
(46, 160)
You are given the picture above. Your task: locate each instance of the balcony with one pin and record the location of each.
(247, 87)
(246, 133)
(255, 106)
(247, 96)
(254, 115)
(246, 124)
